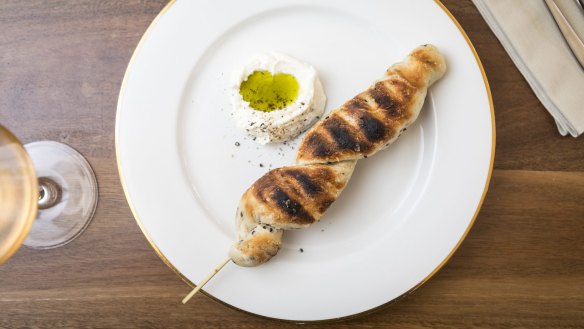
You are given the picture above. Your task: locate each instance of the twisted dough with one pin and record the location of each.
(297, 196)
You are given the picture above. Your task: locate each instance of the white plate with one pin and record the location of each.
(405, 210)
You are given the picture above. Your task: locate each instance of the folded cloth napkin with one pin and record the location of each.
(529, 34)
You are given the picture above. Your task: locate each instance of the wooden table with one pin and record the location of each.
(61, 66)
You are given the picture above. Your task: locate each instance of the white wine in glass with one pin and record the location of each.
(48, 194)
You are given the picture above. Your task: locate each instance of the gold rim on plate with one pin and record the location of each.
(193, 285)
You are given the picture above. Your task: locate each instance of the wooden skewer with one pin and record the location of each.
(205, 280)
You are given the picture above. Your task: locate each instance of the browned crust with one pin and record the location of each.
(422, 61)
(259, 248)
(370, 121)
(361, 126)
(294, 196)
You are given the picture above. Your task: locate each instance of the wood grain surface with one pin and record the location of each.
(61, 66)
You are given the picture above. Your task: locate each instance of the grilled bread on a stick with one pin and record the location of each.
(297, 196)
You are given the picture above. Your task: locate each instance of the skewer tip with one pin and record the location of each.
(205, 280)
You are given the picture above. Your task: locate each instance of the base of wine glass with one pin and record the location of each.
(67, 194)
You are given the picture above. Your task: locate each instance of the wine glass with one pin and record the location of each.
(48, 194)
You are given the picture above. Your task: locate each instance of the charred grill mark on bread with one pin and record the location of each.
(291, 207)
(385, 101)
(341, 135)
(306, 182)
(312, 187)
(373, 129)
(318, 145)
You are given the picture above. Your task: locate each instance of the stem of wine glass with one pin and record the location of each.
(49, 193)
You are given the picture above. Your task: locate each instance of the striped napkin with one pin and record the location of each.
(529, 34)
